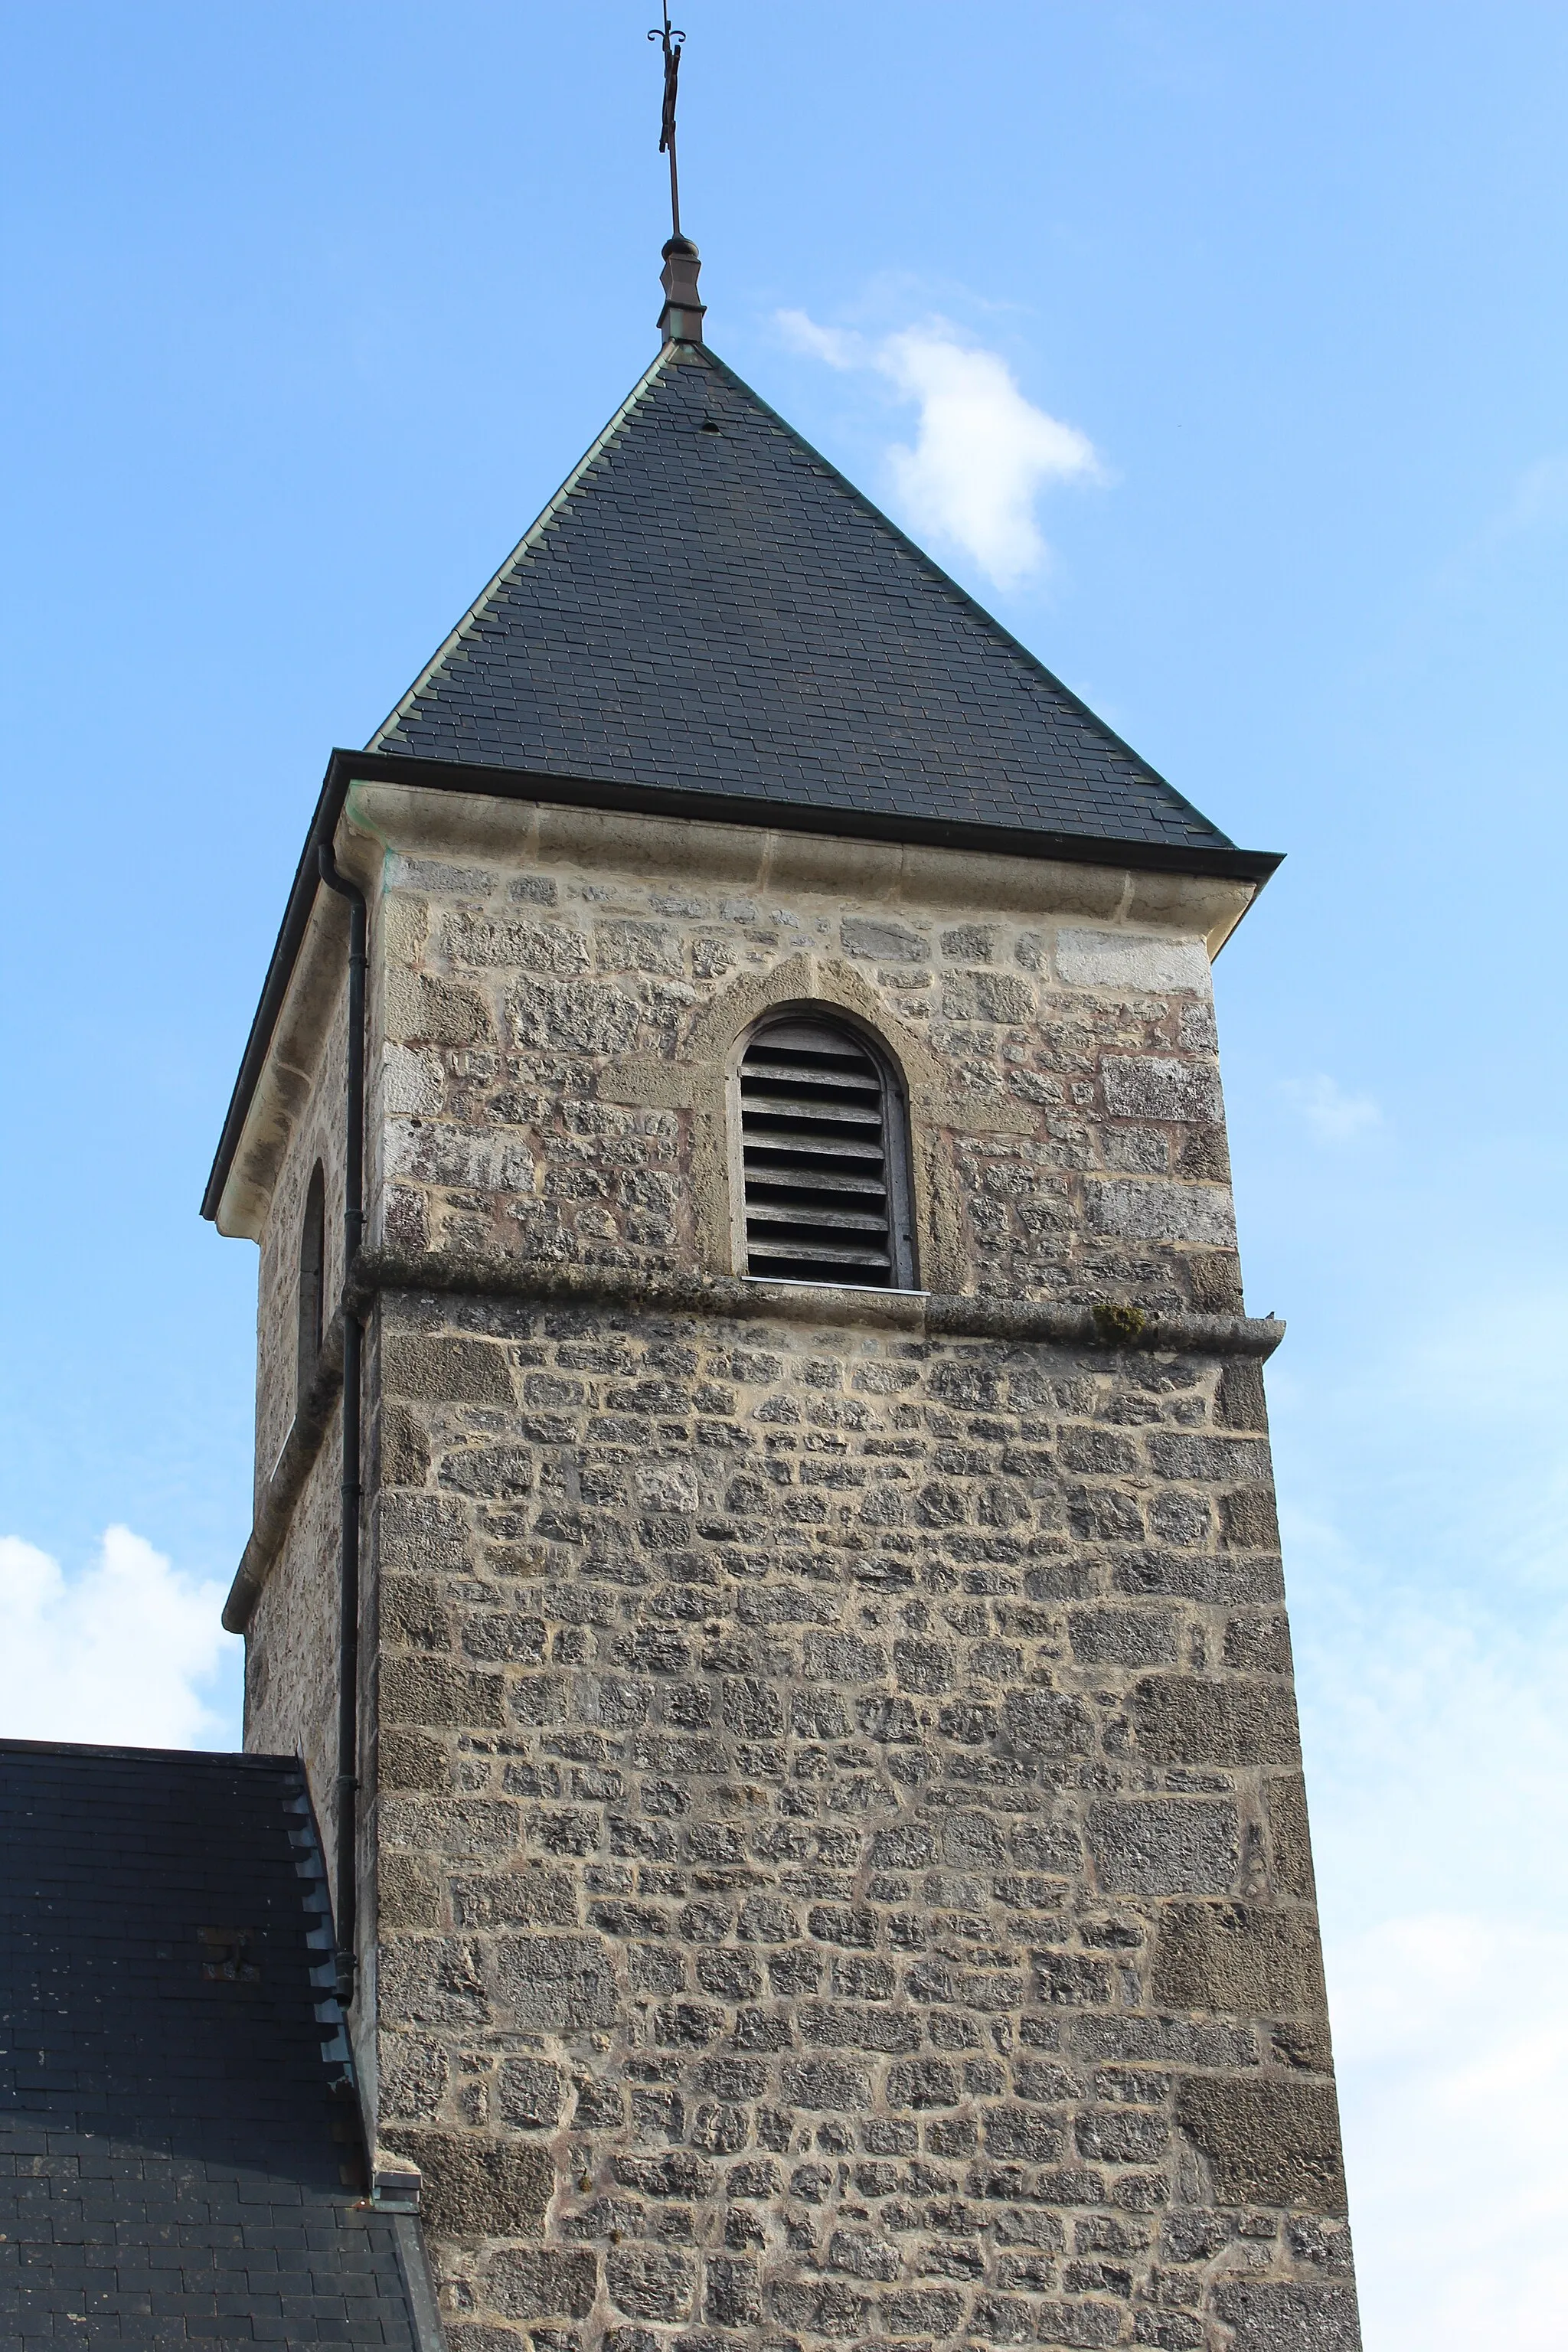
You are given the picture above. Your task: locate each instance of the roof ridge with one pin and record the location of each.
(542, 521)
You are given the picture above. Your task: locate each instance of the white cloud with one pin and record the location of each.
(1332, 1116)
(1540, 500)
(1452, 2033)
(1437, 1767)
(982, 453)
(115, 1655)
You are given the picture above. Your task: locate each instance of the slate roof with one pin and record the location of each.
(178, 2164)
(708, 605)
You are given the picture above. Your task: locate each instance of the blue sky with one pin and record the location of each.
(309, 311)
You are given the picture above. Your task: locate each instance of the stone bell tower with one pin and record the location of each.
(790, 1659)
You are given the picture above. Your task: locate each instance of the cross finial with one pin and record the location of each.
(674, 42)
(681, 321)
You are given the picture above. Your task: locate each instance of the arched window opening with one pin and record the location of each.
(313, 1280)
(825, 1158)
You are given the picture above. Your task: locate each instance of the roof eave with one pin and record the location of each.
(344, 768)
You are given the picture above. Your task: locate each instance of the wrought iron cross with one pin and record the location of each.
(673, 42)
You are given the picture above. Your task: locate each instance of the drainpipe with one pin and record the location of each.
(347, 1811)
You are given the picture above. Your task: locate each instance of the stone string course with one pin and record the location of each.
(843, 1867)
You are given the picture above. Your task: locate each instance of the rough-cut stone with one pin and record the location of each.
(1247, 1957)
(1165, 1846)
(474, 2187)
(1270, 2142)
(542, 2283)
(1270, 2317)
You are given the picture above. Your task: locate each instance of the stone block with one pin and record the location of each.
(877, 939)
(408, 1893)
(1164, 1846)
(542, 2282)
(456, 1828)
(1157, 1209)
(1069, 1981)
(557, 1984)
(732, 2295)
(1028, 2131)
(1149, 963)
(500, 1474)
(829, 2084)
(477, 2188)
(422, 1010)
(678, 2174)
(430, 1691)
(405, 1448)
(1008, 2318)
(531, 2092)
(415, 1614)
(1215, 1461)
(1125, 2136)
(504, 1637)
(932, 2312)
(1258, 1642)
(1239, 1401)
(1049, 1722)
(1270, 2141)
(431, 1981)
(406, 1759)
(530, 1896)
(927, 2082)
(1249, 1520)
(1289, 1842)
(1160, 1087)
(863, 2256)
(1214, 1281)
(1122, 1637)
(1079, 2325)
(1277, 2317)
(1204, 1156)
(986, 996)
(923, 1667)
(651, 2282)
(842, 1658)
(1170, 2331)
(1179, 1720)
(414, 2071)
(444, 1369)
(1244, 1959)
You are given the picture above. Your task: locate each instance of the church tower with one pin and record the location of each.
(765, 1536)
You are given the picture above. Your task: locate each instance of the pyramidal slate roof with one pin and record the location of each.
(708, 606)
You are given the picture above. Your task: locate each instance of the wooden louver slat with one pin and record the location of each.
(819, 1200)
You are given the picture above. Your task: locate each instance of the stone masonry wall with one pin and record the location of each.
(317, 1134)
(843, 1867)
(291, 1642)
(550, 1081)
(835, 1866)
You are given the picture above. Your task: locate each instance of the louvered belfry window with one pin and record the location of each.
(824, 1146)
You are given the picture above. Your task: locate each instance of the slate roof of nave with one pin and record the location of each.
(180, 2149)
(709, 606)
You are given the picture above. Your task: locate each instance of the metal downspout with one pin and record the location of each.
(347, 1787)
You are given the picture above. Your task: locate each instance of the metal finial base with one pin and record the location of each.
(681, 321)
